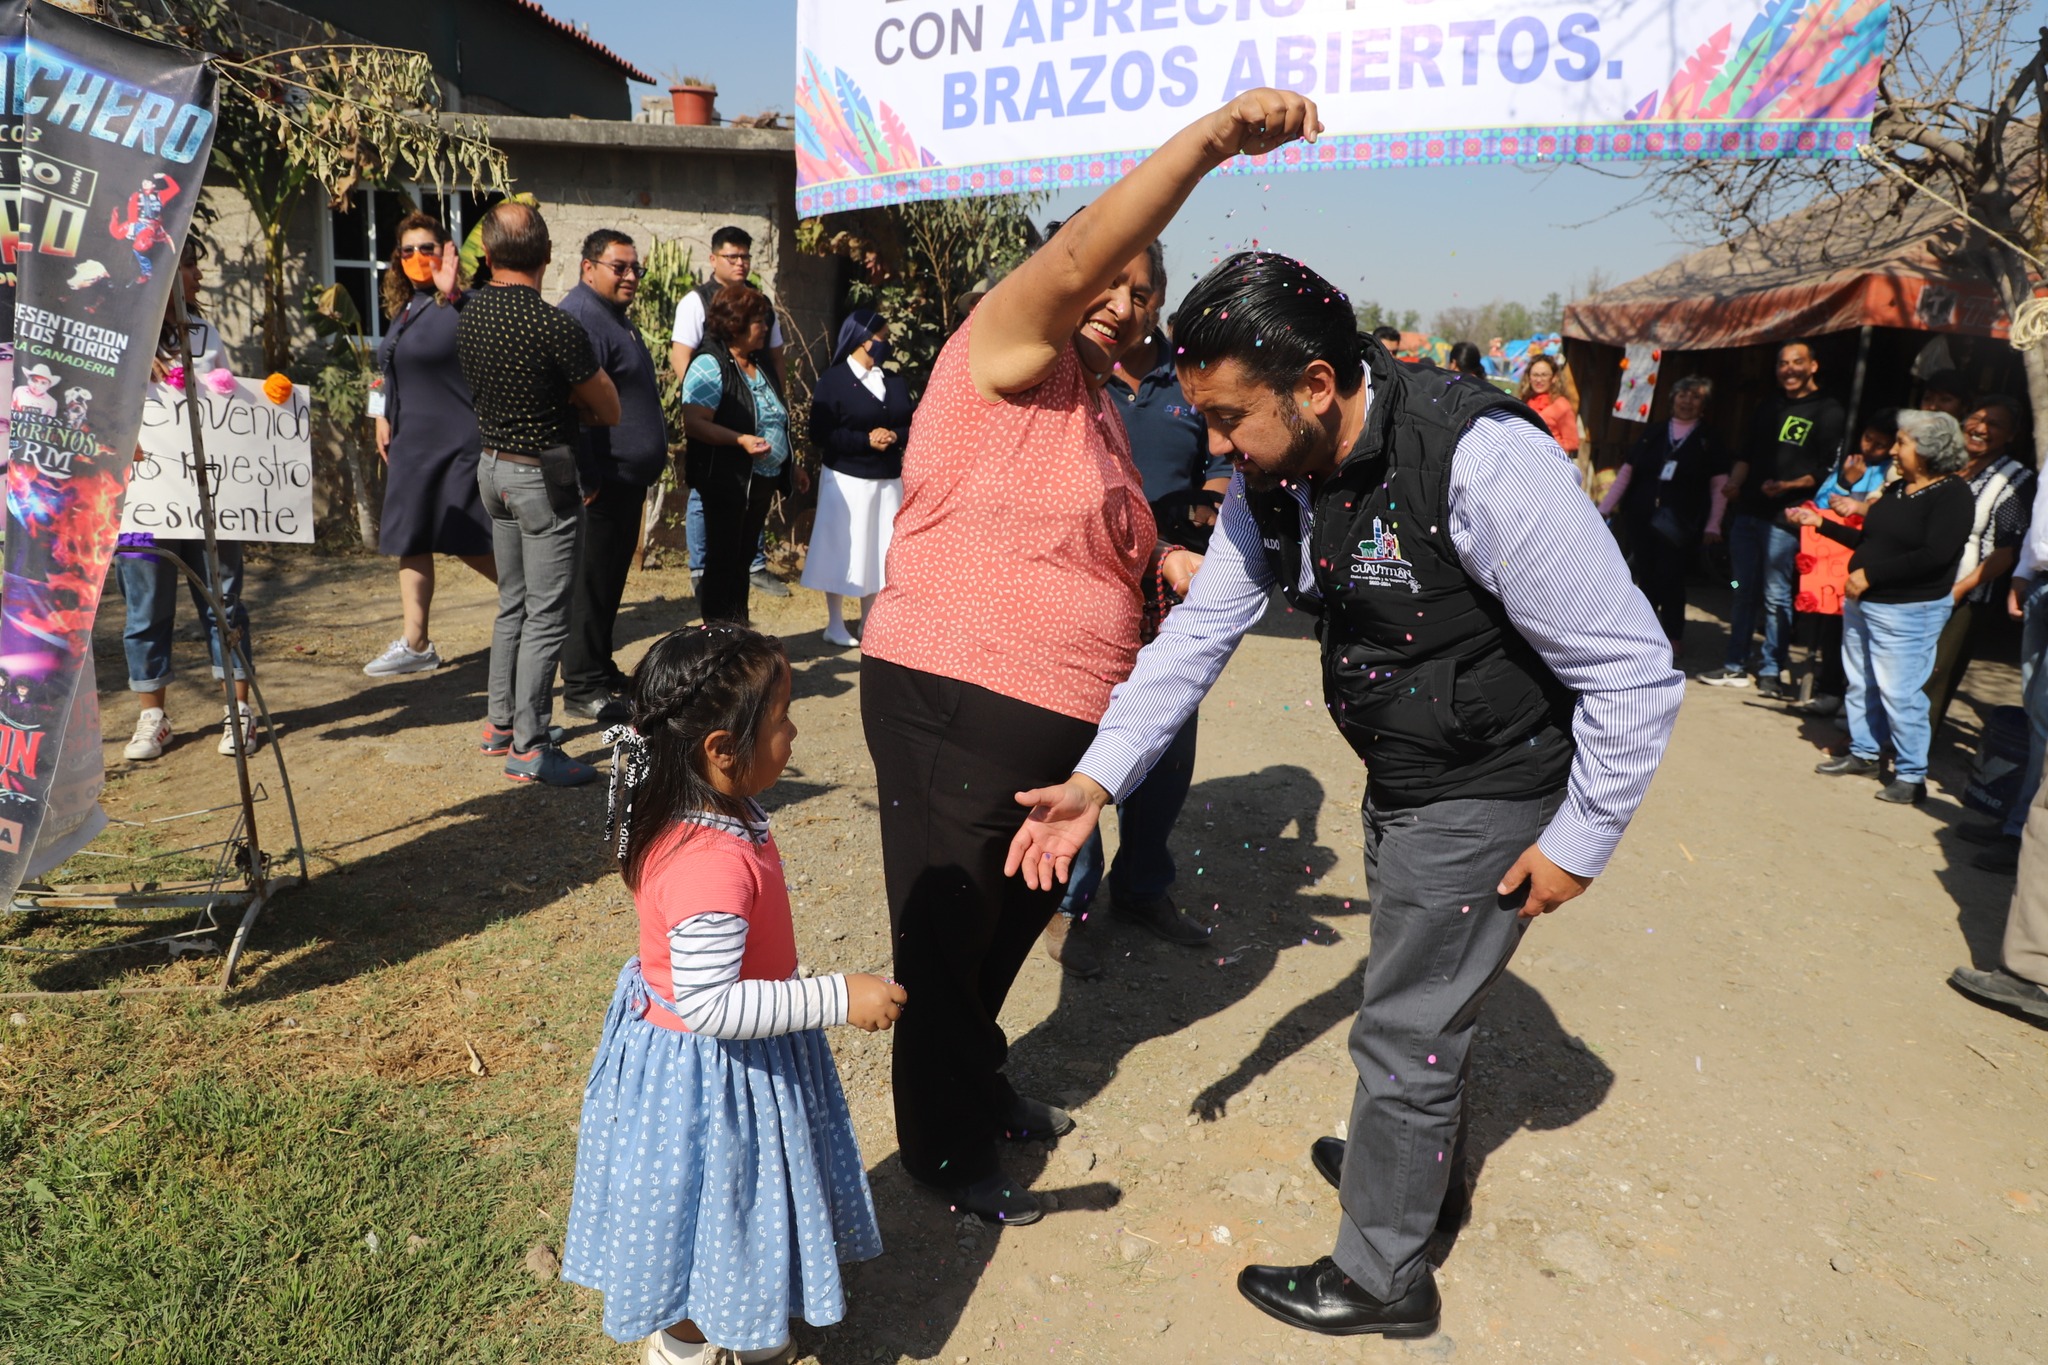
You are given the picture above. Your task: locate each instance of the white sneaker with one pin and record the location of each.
(841, 636)
(663, 1349)
(401, 657)
(152, 732)
(250, 739)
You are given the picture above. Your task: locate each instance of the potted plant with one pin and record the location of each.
(695, 100)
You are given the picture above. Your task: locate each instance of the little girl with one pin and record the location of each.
(718, 1184)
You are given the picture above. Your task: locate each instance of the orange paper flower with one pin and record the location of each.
(277, 388)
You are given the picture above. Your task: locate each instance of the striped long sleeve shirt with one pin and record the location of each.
(1528, 535)
(704, 954)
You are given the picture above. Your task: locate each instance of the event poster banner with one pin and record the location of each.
(919, 99)
(259, 463)
(114, 134)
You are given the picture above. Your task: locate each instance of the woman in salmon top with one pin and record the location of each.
(1011, 609)
(1543, 389)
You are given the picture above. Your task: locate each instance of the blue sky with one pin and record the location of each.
(1425, 238)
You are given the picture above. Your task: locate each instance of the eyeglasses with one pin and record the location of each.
(632, 268)
(735, 255)
(418, 250)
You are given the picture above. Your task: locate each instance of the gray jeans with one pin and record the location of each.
(534, 540)
(1441, 937)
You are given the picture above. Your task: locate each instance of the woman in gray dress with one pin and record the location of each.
(428, 436)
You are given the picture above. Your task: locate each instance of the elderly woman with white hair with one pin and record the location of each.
(1900, 582)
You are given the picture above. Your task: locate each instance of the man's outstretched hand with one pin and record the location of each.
(1058, 827)
(1549, 885)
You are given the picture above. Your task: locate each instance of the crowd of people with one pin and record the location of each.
(1483, 649)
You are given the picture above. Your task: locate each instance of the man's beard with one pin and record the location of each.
(1304, 444)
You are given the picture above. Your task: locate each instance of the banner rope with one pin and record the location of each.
(2029, 320)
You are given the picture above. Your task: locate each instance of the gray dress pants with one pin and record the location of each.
(534, 541)
(1441, 937)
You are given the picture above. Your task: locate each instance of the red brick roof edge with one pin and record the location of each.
(580, 36)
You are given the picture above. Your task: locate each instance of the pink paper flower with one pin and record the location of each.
(175, 376)
(221, 382)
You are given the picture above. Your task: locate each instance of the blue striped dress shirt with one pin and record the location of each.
(1528, 534)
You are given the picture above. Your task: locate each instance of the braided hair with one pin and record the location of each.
(693, 683)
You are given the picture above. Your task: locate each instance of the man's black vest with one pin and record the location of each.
(1422, 670)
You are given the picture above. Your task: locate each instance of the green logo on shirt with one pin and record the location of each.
(1795, 431)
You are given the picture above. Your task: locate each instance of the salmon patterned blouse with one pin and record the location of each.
(1024, 537)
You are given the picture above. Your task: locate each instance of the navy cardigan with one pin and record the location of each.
(843, 412)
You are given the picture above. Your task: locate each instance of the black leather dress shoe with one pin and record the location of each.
(1848, 765)
(999, 1199)
(1322, 1298)
(1902, 793)
(1326, 1154)
(1035, 1119)
(1164, 918)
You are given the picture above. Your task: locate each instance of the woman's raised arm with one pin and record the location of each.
(1025, 320)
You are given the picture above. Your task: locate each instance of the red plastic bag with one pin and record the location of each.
(1823, 569)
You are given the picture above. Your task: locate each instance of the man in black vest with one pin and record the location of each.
(1484, 652)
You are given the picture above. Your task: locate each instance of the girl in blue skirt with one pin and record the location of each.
(718, 1184)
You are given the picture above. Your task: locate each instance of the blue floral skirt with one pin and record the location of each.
(717, 1181)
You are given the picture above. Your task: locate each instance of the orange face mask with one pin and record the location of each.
(420, 269)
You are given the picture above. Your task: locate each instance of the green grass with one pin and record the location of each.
(211, 1215)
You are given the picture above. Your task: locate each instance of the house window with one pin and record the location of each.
(362, 234)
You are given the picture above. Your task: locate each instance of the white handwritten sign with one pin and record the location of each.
(259, 460)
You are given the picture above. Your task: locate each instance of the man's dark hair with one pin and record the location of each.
(1389, 337)
(516, 238)
(1949, 381)
(1273, 316)
(603, 240)
(1785, 346)
(732, 236)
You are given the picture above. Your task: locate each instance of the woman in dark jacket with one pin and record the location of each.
(736, 423)
(1670, 496)
(860, 419)
(1900, 583)
(427, 434)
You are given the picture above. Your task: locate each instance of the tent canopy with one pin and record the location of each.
(1862, 259)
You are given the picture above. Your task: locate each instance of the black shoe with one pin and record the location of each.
(1030, 1119)
(605, 710)
(1989, 833)
(1321, 1298)
(1848, 765)
(998, 1200)
(2001, 987)
(1326, 1154)
(1164, 918)
(1067, 943)
(1902, 793)
(768, 583)
(1822, 705)
(1770, 689)
(2003, 858)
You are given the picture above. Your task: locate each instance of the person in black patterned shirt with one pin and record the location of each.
(536, 379)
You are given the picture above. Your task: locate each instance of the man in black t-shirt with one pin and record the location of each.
(535, 378)
(1789, 448)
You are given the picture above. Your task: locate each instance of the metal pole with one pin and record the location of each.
(1852, 431)
(231, 647)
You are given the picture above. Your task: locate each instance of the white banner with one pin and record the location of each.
(916, 99)
(259, 455)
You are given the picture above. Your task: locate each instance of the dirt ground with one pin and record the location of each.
(1726, 1105)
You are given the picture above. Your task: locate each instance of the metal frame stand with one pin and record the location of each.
(240, 848)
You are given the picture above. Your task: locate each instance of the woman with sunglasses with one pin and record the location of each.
(427, 434)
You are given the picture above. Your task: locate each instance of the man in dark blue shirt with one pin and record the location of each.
(617, 464)
(1184, 483)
